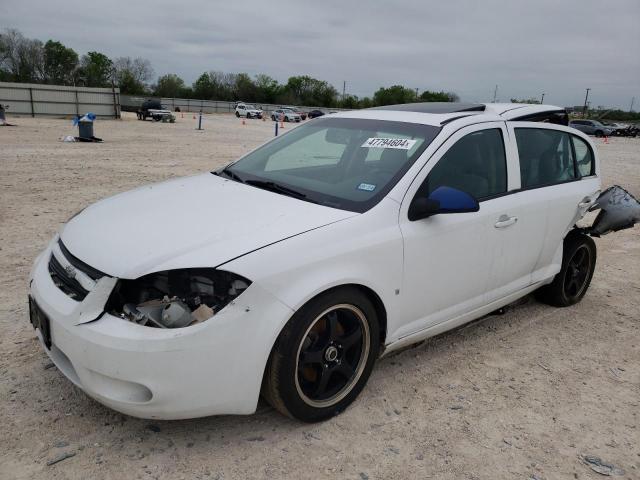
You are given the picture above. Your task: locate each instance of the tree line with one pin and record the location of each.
(30, 60)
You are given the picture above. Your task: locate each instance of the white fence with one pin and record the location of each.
(132, 103)
(53, 100)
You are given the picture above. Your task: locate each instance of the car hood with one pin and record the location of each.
(201, 221)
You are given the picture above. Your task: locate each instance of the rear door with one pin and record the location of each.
(558, 176)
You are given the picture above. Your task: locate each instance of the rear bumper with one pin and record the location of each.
(212, 368)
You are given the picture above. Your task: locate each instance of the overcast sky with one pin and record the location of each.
(559, 47)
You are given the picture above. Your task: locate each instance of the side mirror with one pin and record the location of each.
(442, 200)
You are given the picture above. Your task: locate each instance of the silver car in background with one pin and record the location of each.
(591, 127)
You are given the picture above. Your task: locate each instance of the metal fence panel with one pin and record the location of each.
(133, 102)
(61, 101)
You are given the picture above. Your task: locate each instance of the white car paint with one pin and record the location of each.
(429, 275)
(177, 224)
(244, 110)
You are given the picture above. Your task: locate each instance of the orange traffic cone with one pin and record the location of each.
(606, 140)
(243, 122)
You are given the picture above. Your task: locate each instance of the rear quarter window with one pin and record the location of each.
(584, 157)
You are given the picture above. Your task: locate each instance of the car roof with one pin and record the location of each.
(441, 113)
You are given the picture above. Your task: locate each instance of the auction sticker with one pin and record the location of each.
(397, 143)
(367, 187)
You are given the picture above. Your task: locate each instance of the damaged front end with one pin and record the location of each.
(618, 210)
(175, 298)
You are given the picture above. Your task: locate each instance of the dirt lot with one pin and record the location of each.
(522, 395)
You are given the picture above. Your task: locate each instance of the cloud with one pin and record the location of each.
(468, 46)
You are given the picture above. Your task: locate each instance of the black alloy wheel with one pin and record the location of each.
(323, 356)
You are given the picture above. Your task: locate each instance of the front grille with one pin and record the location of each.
(65, 279)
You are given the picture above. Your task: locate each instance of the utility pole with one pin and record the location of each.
(495, 94)
(633, 99)
(584, 109)
(542, 99)
(416, 93)
(344, 89)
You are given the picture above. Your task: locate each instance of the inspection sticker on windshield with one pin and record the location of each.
(367, 187)
(397, 143)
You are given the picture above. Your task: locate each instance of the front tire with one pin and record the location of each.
(573, 280)
(323, 356)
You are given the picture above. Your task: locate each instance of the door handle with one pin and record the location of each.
(505, 221)
(586, 203)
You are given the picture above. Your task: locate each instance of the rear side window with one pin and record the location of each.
(546, 157)
(584, 157)
(475, 164)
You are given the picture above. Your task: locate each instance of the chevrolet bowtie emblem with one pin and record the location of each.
(71, 271)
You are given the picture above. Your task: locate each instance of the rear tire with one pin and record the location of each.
(323, 357)
(599, 133)
(237, 114)
(573, 280)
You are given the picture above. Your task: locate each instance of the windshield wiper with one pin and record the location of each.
(276, 187)
(227, 172)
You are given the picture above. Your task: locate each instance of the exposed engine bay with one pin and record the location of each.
(175, 298)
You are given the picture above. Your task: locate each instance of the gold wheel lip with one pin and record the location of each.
(361, 363)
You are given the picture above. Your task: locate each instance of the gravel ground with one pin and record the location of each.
(523, 395)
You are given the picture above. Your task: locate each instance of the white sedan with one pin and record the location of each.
(290, 271)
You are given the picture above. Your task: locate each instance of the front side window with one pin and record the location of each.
(584, 157)
(546, 157)
(475, 164)
(339, 162)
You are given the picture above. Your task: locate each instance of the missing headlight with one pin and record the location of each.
(175, 298)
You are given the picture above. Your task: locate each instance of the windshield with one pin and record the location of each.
(338, 162)
(248, 106)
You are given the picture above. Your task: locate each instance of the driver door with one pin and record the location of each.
(448, 257)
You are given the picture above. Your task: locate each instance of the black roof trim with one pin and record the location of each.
(433, 107)
(449, 120)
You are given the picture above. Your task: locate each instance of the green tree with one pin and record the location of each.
(267, 88)
(394, 95)
(204, 88)
(365, 102)
(349, 101)
(309, 91)
(244, 88)
(429, 96)
(21, 58)
(132, 75)
(60, 63)
(525, 100)
(169, 85)
(96, 70)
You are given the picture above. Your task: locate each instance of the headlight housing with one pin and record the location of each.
(175, 298)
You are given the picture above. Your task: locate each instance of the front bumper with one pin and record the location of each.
(212, 368)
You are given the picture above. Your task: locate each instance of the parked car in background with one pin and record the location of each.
(315, 113)
(248, 110)
(153, 109)
(303, 115)
(285, 114)
(591, 127)
(350, 237)
(621, 129)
